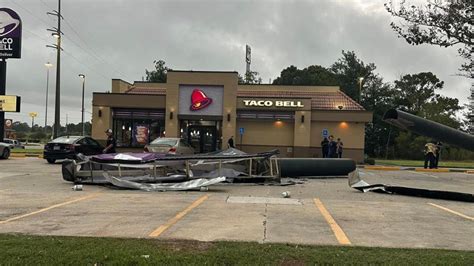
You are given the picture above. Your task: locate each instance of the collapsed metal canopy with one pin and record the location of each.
(429, 128)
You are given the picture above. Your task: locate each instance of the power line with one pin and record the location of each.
(46, 5)
(31, 13)
(92, 70)
(92, 50)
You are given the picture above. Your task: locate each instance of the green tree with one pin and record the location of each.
(314, 75)
(251, 77)
(159, 74)
(413, 91)
(441, 23)
(348, 70)
(378, 98)
(417, 94)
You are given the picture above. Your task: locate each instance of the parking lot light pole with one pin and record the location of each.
(48, 66)
(83, 77)
(360, 88)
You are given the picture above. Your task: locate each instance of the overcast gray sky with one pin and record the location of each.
(107, 39)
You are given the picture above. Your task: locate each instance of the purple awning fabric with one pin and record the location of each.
(129, 157)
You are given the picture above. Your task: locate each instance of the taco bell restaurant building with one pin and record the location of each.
(206, 108)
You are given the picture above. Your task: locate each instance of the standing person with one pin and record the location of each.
(332, 147)
(439, 146)
(230, 142)
(325, 147)
(430, 151)
(111, 142)
(339, 148)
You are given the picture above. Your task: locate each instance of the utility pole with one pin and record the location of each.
(58, 34)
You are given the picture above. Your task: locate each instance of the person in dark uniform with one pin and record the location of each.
(111, 142)
(340, 147)
(325, 147)
(230, 142)
(332, 147)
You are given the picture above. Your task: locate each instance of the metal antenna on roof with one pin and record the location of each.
(248, 52)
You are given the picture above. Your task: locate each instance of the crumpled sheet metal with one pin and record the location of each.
(194, 184)
(356, 182)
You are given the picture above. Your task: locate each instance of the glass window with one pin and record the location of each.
(137, 127)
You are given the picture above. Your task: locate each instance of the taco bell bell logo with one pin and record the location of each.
(10, 34)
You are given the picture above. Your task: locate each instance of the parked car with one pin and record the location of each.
(170, 146)
(4, 150)
(67, 147)
(14, 144)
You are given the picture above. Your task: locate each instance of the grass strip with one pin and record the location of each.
(31, 151)
(415, 163)
(55, 250)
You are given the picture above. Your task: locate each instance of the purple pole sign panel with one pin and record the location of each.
(10, 34)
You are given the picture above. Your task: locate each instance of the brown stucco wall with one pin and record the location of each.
(280, 133)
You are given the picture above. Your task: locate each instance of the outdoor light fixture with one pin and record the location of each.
(340, 107)
(171, 115)
(302, 119)
(100, 113)
(228, 117)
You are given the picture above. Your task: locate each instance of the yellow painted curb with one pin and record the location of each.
(382, 168)
(439, 170)
(17, 155)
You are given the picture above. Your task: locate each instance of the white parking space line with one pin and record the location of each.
(49, 208)
(451, 211)
(423, 174)
(366, 173)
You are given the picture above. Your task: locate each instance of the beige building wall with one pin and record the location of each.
(265, 133)
(106, 101)
(351, 134)
(120, 86)
(102, 123)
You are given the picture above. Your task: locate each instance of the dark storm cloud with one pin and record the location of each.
(119, 39)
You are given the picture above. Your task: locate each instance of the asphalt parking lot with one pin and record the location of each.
(35, 200)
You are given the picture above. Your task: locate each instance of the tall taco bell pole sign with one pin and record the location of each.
(10, 47)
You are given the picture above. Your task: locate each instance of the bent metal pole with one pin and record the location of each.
(428, 128)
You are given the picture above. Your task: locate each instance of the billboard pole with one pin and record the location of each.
(3, 85)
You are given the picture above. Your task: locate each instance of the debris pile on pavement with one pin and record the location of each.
(159, 172)
(356, 182)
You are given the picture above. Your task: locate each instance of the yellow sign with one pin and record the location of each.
(9, 103)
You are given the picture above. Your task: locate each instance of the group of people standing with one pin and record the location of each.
(332, 148)
(432, 152)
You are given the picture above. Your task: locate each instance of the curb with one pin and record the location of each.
(24, 155)
(401, 168)
(383, 168)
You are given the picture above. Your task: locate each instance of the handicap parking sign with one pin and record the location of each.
(241, 130)
(325, 132)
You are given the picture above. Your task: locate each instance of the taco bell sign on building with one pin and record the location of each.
(10, 34)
